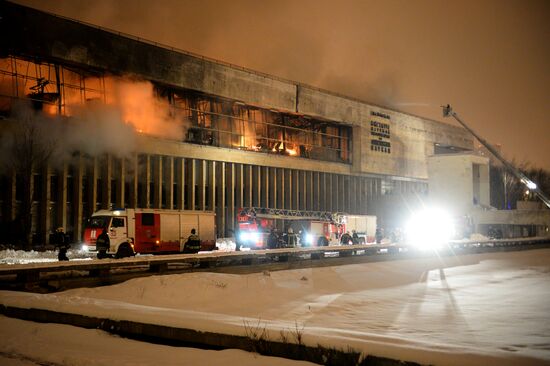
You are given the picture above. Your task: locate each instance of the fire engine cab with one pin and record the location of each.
(153, 231)
(313, 228)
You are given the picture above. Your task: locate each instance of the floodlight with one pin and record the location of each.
(430, 228)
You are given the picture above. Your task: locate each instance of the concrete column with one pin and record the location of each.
(239, 186)
(45, 204)
(169, 181)
(146, 181)
(201, 183)
(280, 188)
(264, 183)
(308, 190)
(272, 188)
(230, 193)
(329, 194)
(180, 179)
(322, 203)
(295, 183)
(247, 183)
(211, 188)
(191, 184)
(92, 184)
(121, 184)
(288, 188)
(157, 182)
(61, 204)
(220, 200)
(256, 186)
(107, 176)
(78, 182)
(304, 190)
(315, 196)
(134, 181)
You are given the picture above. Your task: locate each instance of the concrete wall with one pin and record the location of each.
(70, 42)
(452, 184)
(412, 138)
(37, 34)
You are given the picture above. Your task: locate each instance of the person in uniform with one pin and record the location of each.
(345, 239)
(193, 243)
(102, 244)
(61, 242)
(354, 237)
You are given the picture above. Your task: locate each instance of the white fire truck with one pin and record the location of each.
(364, 226)
(150, 230)
(313, 228)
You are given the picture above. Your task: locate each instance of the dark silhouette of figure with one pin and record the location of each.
(273, 239)
(345, 239)
(378, 236)
(291, 239)
(354, 237)
(193, 243)
(102, 244)
(61, 242)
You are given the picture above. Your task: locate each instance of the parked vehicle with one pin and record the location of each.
(364, 226)
(312, 228)
(153, 231)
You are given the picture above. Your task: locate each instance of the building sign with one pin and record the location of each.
(380, 132)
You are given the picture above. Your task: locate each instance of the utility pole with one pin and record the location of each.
(532, 186)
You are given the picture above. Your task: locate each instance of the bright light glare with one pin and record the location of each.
(430, 228)
(531, 185)
(309, 239)
(249, 236)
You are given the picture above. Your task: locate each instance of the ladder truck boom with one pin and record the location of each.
(448, 111)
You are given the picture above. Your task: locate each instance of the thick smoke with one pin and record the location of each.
(140, 108)
(92, 128)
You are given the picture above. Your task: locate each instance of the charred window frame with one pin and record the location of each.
(225, 123)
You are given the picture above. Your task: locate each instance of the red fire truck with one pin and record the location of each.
(150, 230)
(313, 228)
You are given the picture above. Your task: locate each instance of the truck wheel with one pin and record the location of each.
(124, 250)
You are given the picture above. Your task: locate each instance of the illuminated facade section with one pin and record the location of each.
(202, 119)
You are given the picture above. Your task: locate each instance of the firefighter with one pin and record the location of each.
(346, 238)
(61, 242)
(102, 244)
(378, 236)
(291, 239)
(193, 244)
(354, 237)
(273, 239)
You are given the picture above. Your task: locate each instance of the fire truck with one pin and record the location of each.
(313, 228)
(151, 231)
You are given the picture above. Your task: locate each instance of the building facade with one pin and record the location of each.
(228, 137)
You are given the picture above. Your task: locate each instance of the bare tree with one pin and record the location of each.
(29, 148)
(506, 188)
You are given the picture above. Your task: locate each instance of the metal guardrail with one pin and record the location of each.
(97, 272)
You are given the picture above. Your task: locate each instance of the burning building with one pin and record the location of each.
(138, 124)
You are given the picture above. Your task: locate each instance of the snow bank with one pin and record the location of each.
(489, 309)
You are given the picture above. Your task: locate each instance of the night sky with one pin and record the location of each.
(489, 59)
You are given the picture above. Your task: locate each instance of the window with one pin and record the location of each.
(117, 222)
(147, 219)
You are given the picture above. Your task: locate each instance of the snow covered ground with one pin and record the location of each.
(484, 309)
